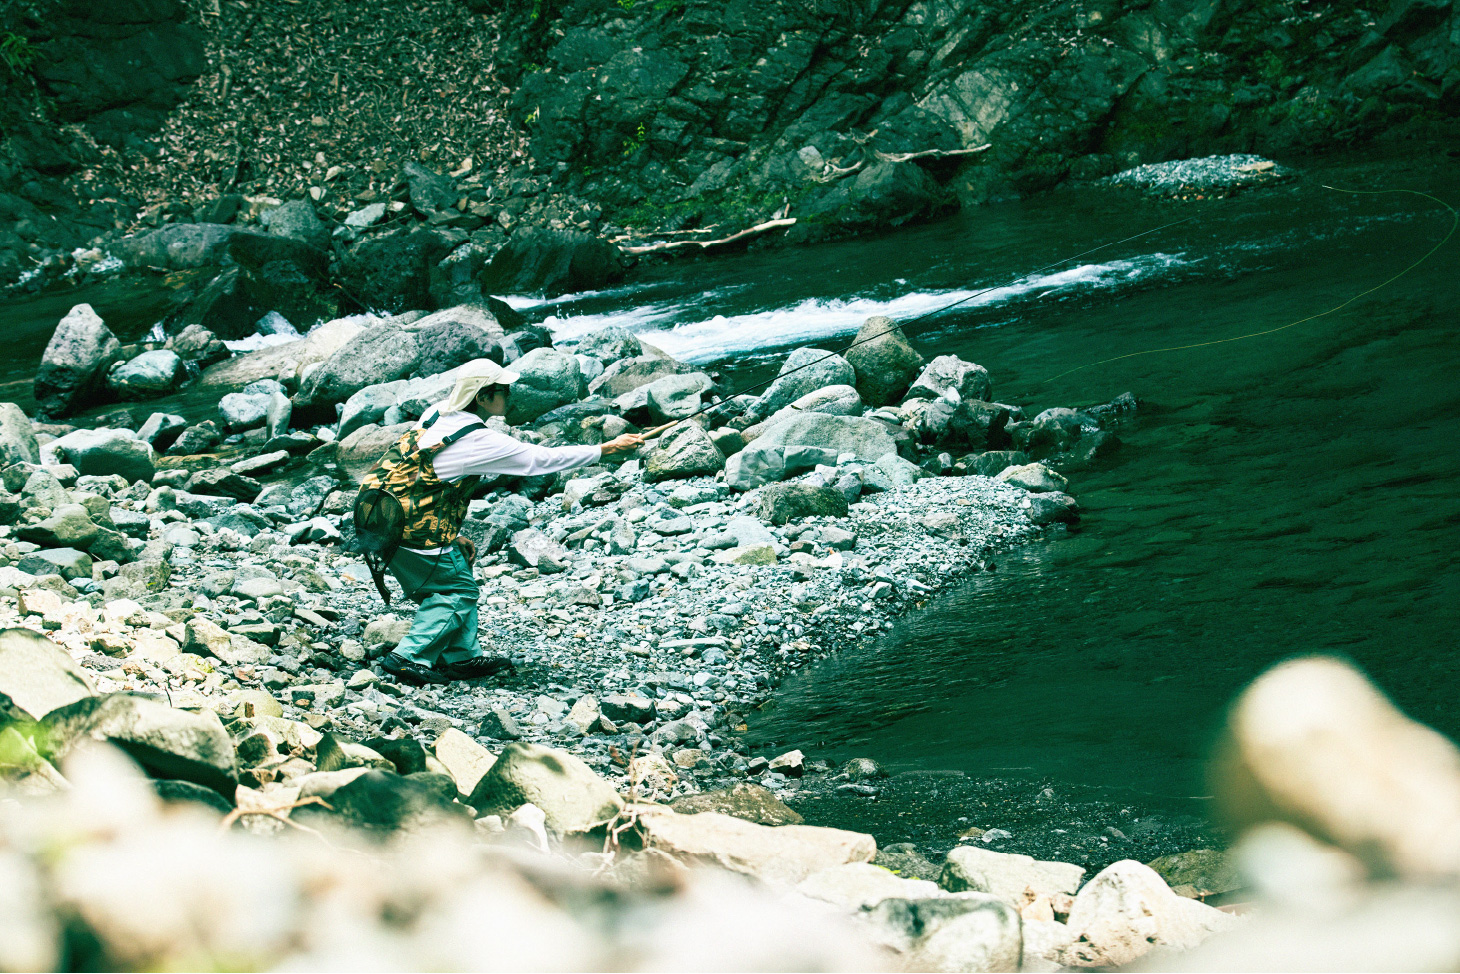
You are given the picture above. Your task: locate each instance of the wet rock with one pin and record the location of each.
(197, 344)
(102, 452)
(549, 379)
(1313, 743)
(550, 263)
(161, 430)
(804, 371)
(17, 436)
(787, 854)
(885, 365)
(392, 273)
(801, 442)
(780, 503)
(743, 799)
(1126, 910)
(970, 868)
(684, 451)
(1053, 508)
(73, 366)
(992, 463)
(949, 377)
(573, 798)
(197, 439)
(168, 743)
(37, 676)
(610, 344)
(1033, 477)
(1052, 431)
(147, 376)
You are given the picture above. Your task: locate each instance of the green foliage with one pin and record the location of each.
(635, 142)
(16, 53)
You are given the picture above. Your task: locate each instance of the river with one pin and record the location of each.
(1286, 494)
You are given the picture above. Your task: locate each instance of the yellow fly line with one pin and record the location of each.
(1454, 222)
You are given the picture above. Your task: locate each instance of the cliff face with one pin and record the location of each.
(681, 111)
(87, 77)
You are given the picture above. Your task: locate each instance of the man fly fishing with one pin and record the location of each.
(411, 506)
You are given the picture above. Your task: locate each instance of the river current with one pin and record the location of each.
(1287, 494)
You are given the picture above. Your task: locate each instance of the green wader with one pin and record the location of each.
(445, 627)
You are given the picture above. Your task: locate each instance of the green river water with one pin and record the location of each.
(1295, 493)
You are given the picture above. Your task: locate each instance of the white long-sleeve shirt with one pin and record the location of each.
(487, 453)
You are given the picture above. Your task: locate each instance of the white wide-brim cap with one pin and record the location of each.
(472, 378)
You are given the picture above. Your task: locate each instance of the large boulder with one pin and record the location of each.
(884, 360)
(949, 377)
(69, 526)
(101, 452)
(804, 371)
(628, 374)
(970, 868)
(454, 337)
(393, 272)
(549, 379)
(574, 799)
(73, 366)
(675, 396)
(69, 563)
(380, 353)
(610, 344)
(1126, 910)
(37, 676)
(552, 262)
(369, 405)
(801, 442)
(17, 437)
(779, 503)
(785, 854)
(684, 451)
(287, 358)
(167, 743)
(362, 449)
(148, 376)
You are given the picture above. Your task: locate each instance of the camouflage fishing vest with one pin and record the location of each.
(434, 509)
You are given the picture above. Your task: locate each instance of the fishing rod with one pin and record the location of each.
(1454, 223)
(660, 430)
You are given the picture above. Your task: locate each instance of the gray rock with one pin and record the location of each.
(749, 531)
(242, 412)
(147, 376)
(1033, 477)
(74, 363)
(369, 405)
(297, 221)
(1052, 431)
(1053, 507)
(779, 503)
(630, 707)
(37, 676)
(885, 365)
(223, 482)
(610, 344)
(500, 725)
(684, 451)
(993, 462)
(101, 452)
(950, 374)
(430, 191)
(744, 800)
(801, 442)
(549, 379)
(69, 563)
(1006, 875)
(573, 798)
(533, 549)
(278, 415)
(628, 374)
(134, 524)
(378, 354)
(675, 396)
(69, 526)
(804, 371)
(197, 344)
(976, 933)
(197, 439)
(161, 430)
(455, 336)
(17, 436)
(363, 448)
(167, 743)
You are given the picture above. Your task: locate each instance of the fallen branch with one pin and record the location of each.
(666, 245)
(932, 153)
